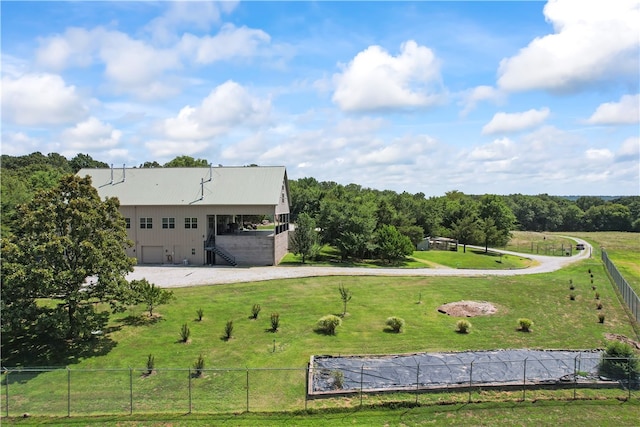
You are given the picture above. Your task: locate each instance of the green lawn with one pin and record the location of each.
(623, 249)
(558, 324)
(471, 258)
(590, 412)
(531, 242)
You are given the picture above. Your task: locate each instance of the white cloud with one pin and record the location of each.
(625, 112)
(76, 47)
(376, 80)
(168, 149)
(593, 41)
(514, 122)
(599, 154)
(629, 150)
(40, 99)
(188, 14)
(227, 106)
(91, 134)
(479, 93)
(17, 143)
(230, 42)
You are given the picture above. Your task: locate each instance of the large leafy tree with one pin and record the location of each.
(186, 162)
(70, 247)
(495, 208)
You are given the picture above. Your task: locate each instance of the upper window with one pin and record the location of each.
(127, 222)
(146, 222)
(168, 223)
(191, 223)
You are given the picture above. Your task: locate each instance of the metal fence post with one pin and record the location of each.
(524, 380)
(361, 383)
(470, 381)
(306, 388)
(575, 376)
(68, 392)
(130, 391)
(6, 393)
(247, 389)
(417, 382)
(190, 402)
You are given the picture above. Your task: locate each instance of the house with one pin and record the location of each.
(201, 216)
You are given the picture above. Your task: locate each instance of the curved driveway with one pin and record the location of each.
(181, 276)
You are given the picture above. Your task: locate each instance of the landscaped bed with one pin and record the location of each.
(424, 371)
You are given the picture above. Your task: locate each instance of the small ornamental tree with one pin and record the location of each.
(304, 239)
(345, 296)
(150, 295)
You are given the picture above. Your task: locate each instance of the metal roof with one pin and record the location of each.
(259, 185)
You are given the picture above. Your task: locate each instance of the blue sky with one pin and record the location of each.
(480, 97)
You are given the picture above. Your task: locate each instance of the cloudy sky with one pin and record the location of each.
(480, 97)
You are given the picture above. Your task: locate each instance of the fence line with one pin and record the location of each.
(122, 391)
(628, 294)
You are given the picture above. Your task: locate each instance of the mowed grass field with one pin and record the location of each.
(623, 249)
(559, 323)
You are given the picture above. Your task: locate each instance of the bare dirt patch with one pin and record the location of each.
(468, 308)
(622, 338)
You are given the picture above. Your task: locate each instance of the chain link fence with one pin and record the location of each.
(81, 392)
(628, 294)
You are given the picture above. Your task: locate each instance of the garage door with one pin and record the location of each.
(152, 255)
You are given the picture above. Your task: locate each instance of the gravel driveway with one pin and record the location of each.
(183, 276)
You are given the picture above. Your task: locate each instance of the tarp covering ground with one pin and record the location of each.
(436, 370)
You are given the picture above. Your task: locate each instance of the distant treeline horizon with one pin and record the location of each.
(351, 208)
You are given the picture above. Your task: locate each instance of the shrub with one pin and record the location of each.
(463, 326)
(151, 364)
(228, 330)
(572, 297)
(255, 310)
(275, 322)
(619, 361)
(597, 295)
(185, 333)
(200, 314)
(525, 324)
(395, 324)
(601, 317)
(199, 366)
(599, 306)
(329, 323)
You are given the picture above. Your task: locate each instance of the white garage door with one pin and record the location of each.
(152, 255)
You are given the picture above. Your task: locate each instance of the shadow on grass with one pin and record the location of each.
(31, 351)
(140, 320)
(388, 330)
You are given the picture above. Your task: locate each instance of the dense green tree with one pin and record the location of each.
(70, 248)
(186, 162)
(392, 245)
(608, 217)
(467, 230)
(494, 207)
(304, 240)
(81, 161)
(153, 164)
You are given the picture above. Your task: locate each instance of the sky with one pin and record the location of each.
(503, 97)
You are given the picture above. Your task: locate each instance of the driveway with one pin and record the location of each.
(183, 276)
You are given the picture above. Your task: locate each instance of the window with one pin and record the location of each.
(168, 223)
(191, 223)
(127, 222)
(146, 223)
